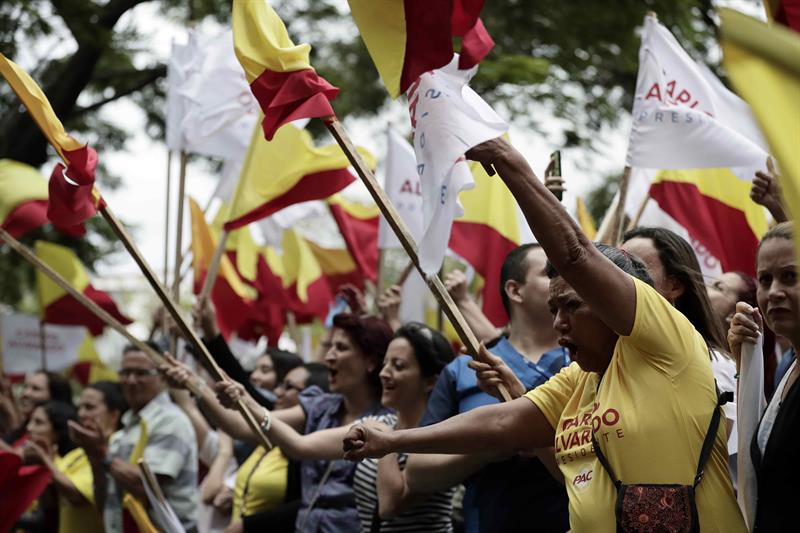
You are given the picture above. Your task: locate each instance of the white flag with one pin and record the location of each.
(448, 119)
(404, 189)
(221, 111)
(183, 61)
(683, 117)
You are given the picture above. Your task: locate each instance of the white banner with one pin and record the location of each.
(683, 117)
(21, 340)
(448, 119)
(404, 189)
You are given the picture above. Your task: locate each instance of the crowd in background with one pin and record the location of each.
(389, 429)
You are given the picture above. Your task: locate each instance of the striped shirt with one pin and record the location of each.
(434, 515)
(171, 451)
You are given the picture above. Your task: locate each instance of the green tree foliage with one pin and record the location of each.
(575, 60)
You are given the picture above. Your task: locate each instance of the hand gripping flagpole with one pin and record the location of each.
(407, 241)
(31, 257)
(187, 332)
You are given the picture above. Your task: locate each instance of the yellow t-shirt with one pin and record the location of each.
(71, 519)
(650, 418)
(260, 482)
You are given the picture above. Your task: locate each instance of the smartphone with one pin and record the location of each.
(555, 158)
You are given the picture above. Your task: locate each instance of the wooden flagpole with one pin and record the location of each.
(166, 217)
(639, 212)
(213, 268)
(407, 241)
(619, 216)
(187, 332)
(612, 222)
(179, 228)
(30, 256)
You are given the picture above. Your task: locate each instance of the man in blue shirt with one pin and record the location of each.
(518, 493)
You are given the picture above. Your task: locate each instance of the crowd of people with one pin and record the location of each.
(622, 361)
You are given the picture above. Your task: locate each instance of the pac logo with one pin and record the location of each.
(583, 479)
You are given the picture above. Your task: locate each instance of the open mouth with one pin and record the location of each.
(571, 347)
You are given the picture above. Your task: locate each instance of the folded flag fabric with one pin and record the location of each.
(68, 206)
(279, 72)
(764, 65)
(407, 38)
(358, 224)
(448, 119)
(683, 116)
(56, 305)
(287, 170)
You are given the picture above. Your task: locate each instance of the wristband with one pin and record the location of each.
(266, 422)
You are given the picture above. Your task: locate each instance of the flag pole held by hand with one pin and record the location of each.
(407, 241)
(187, 332)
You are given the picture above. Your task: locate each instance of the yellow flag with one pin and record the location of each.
(65, 262)
(203, 246)
(38, 106)
(300, 266)
(274, 172)
(764, 64)
(585, 219)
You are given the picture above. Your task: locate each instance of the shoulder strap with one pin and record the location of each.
(711, 435)
(603, 461)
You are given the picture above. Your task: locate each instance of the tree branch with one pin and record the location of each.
(152, 75)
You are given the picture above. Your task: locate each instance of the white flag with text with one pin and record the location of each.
(403, 188)
(448, 119)
(683, 117)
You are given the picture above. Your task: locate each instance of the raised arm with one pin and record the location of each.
(503, 428)
(596, 280)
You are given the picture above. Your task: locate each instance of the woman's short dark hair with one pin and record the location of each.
(680, 262)
(58, 414)
(283, 362)
(58, 386)
(371, 335)
(625, 261)
(317, 375)
(112, 395)
(431, 349)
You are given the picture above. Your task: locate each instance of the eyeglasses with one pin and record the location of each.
(138, 372)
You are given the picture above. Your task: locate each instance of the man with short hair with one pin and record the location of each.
(518, 493)
(153, 429)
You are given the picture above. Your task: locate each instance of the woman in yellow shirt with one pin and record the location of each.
(101, 403)
(640, 384)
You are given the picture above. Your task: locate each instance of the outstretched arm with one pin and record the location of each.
(596, 280)
(503, 428)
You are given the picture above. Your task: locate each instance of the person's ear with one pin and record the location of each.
(513, 290)
(673, 288)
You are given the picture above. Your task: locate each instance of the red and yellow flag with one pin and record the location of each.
(56, 305)
(23, 198)
(786, 12)
(407, 38)
(279, 72)
(764, 65)
(233, 298)
(287, 170)
(72, 196)
(714, 206)
(358, 224)
(486, 233)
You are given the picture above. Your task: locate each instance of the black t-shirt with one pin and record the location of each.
(778, 471)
